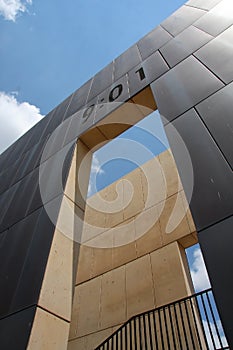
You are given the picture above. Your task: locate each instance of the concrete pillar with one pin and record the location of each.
(51, 324)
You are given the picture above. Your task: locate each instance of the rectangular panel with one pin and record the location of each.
(149, 70)
(23, 200)
(4, 158)
(221, 63)
(168, 269)
(101, 81)
(153, 41)
(212, 195)
(205, 5)
(73, 131)
(53, 173)
(216, 245)
(17, 149)
(54, 141)
(181, 19)
(58, 115)
(15, 245)
(218, 19)
(137, 79)
(113, 298)
(15, 329)
(7, 175)
(79, 98)
(30, 160)
(35, 200)
(182, 87)
(140, 296)
(5, 202)
(39, 230)
(116, 94)
(86, 116)
(216, 111)
(184, 44)
(87, 303)
(126, 61)
(11, 154)
(154, 66)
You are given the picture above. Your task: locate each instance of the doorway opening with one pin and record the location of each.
(137, 223)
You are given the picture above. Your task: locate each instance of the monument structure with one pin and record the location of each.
(73, 271)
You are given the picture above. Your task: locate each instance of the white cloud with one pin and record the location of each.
(198, 271)
(15, 119)
(9, 9)
(95, 169)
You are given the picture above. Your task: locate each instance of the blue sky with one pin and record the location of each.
(131, 149)
(55, 46)
(50, 48)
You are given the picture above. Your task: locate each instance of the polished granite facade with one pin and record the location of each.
(187, 61)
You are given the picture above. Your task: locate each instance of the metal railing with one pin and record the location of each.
(189, 323)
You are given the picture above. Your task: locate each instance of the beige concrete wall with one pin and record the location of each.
(113, 239)
(51, 324)
(131, 260)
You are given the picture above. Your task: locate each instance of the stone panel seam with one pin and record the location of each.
(187, 110)
(215, 223)
(94, 332)
(211, 71)
(100, 302)
(76, 204)
(68, 105)
(53, 314)
(173, 36)
(167, 61)
(41, 206)
(215, 141)
(196, 7)
(138, 257)
(17, 312)
(154, 297)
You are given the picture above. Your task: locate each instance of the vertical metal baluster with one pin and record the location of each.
(178, 328)
(194, 310)
(161, 330)
(207, 319)
(183, 325)
(144, 328)
(121, 339)
(189, 324)
(213, 317)
(150, 333)
(166, 327)
(140, 332)
(171, 323)
(195, 322)
(126, 343)
(117, 334)
(200, 317)
(156, 338)
(130, 337)
(135, 333)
